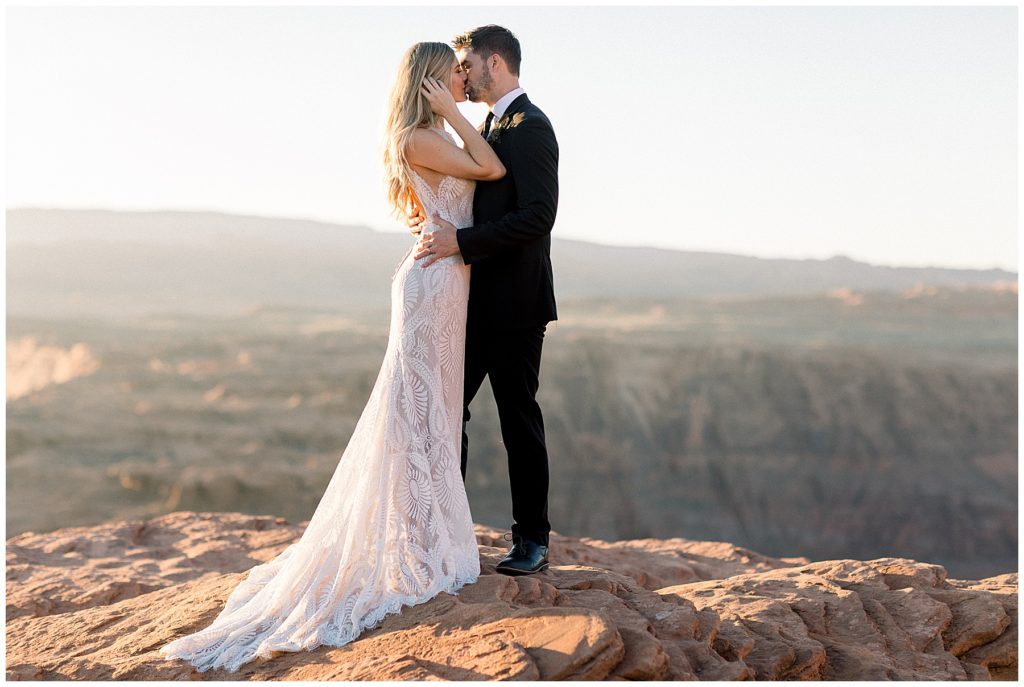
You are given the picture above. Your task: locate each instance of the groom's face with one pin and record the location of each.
(478, 77)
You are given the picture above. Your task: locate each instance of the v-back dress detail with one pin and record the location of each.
(393, 527)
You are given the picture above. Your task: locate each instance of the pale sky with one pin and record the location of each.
(887, 134)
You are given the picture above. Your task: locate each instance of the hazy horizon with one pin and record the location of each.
(883, 134)
(557, 238)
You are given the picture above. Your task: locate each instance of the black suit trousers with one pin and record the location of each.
(511, 359)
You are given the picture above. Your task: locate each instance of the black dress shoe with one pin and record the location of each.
(524, 558)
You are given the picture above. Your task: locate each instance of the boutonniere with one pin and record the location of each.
(494, 135)
(504, 124)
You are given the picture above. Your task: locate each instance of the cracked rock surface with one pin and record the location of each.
(95, 603)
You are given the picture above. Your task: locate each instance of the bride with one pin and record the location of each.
(393, 527)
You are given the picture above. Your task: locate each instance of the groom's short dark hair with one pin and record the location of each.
(490, 39)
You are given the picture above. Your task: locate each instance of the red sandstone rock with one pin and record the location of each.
(97, 602)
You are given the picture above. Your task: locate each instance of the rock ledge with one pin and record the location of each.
(95, 603)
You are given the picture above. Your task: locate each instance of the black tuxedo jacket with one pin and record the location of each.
(509, 244)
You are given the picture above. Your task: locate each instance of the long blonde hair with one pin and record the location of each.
(408, 109)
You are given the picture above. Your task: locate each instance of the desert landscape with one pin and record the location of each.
(164, 361)
(779, 399)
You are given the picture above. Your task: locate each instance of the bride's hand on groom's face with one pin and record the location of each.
(439, 97)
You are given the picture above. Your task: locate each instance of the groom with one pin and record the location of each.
(511, 293)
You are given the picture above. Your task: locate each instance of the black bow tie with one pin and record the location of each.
(487, 123)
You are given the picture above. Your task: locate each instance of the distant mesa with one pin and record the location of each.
(121, 264)
(32, 366)
(1004, 285)
(847, 296)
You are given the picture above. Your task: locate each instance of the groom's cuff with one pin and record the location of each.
(467, 246)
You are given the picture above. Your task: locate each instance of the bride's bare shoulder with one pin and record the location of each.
(428, 138)
(427, 145)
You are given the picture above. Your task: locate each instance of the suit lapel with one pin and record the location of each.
(517, 105)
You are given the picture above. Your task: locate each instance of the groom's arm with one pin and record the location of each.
(533, 164)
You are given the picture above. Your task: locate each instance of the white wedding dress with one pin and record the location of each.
(394, 527)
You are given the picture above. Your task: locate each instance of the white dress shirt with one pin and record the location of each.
(506, 100)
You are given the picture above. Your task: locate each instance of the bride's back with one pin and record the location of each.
(445, 195)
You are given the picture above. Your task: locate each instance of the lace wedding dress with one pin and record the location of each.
(394, 527)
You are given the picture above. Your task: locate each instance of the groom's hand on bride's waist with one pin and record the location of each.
(440, 243)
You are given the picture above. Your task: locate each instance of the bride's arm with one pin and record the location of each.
(534, 165)
(477, 161)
